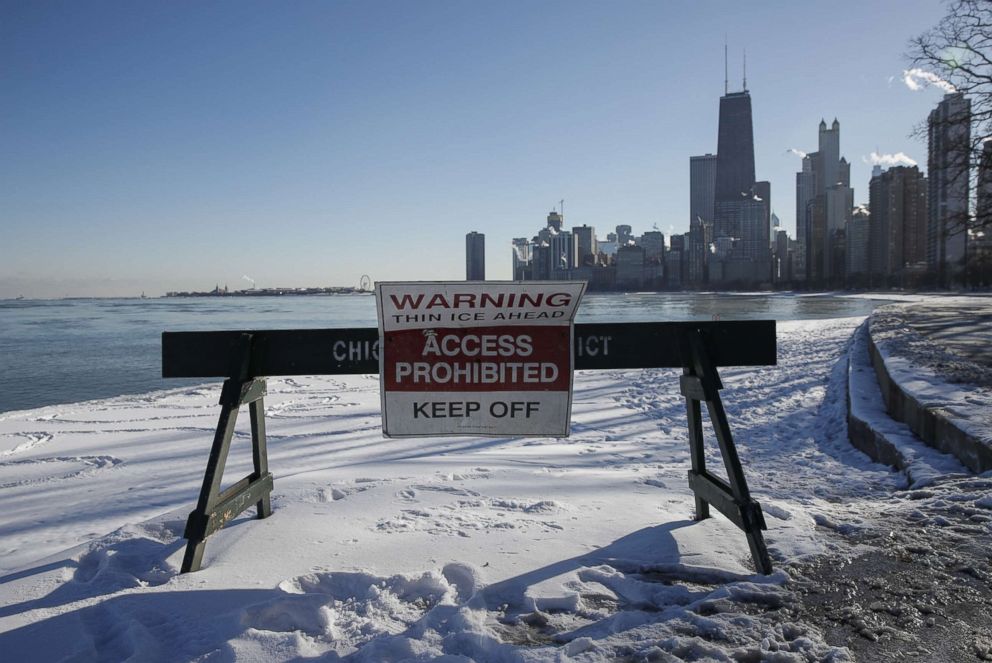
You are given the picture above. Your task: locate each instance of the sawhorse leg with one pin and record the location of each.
(214, 508)
(701, 383)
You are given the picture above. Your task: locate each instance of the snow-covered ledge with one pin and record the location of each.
(952, 417)
(873, 431)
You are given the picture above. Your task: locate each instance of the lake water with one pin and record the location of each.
(64, 351)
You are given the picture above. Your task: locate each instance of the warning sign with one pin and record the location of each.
(476, 358)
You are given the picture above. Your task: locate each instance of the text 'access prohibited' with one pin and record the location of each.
(476, 358)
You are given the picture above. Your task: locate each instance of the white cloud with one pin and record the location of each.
(918, 79)
(798, 153)
(888, 160)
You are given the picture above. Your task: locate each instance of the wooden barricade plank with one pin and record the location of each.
(278, 352)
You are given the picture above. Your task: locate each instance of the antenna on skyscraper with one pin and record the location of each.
(745, 70)
(562, 201)
(726, 76)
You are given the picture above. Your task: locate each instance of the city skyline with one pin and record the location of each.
(174, 162)
(912, 233)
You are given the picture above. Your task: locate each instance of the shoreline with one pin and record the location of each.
(345, 290)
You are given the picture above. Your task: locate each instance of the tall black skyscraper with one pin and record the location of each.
(735, 148)
(734, 163)
(741, 206)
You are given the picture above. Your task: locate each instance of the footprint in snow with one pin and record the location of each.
(776, 512)
(452, 490)
(342, 612)
(466, 517)
(324, 494)
(131, 562)
(33, 440)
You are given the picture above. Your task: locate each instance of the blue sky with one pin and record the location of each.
(153, 146)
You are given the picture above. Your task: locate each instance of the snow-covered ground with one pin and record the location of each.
(519, 549)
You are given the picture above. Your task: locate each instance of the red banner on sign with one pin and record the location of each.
(478, 359)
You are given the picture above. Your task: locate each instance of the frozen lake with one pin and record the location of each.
(65, 351)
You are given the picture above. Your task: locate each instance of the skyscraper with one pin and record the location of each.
(980, 241)
(829, 148)
(734, 163)
(702, 187)
(735, 149)
(858, 238)
(949, 149)
(700, 236)
(763, 192)
(741, 206)
(653, 242)
(805, 191)
(586, 240)
(841, 192)
(521, 258)
(781, 258)
(983, 208)
(563, 253)
(898, 230)
(824, 204)
(753, 242)
(630, 267)
(475, 256)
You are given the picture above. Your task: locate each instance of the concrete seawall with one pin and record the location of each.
(940, 421)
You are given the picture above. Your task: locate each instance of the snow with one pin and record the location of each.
(929, 373)
(451, 549)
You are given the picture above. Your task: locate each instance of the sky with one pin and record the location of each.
(157, 146)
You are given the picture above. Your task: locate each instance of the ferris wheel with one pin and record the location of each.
(365, 283)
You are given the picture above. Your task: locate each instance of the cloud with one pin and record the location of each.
(918, 79)
(798, 153)
(888, 160)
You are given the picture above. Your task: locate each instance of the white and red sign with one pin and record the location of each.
(476, 358)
